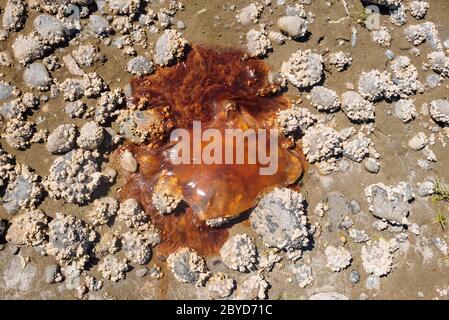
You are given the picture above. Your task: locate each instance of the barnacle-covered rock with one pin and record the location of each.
(377, 258)
(74, 176)
(337, 258)
(28, 228)
(251, 288)
(280, 220)
(303, 69)
(356, 108)
(219, 286)
(321, 143)
(239, 253)
(112, 268)
(439, 111)
(70, 240)
(23, 191)
(258, 43)
(169, 47)
(187, 266)
(390, 203)
(324, 99)
(131, 213)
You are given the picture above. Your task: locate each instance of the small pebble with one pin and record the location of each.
(354, 277)
(371, 165)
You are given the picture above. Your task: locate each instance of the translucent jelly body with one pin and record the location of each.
(223, 90)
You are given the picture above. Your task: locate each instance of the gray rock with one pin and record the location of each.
(371, 165)
(147, 19)
(14, 15)
(75, 109)
(107, 105)
(250, 13)
(187, 266)
(441, 245)
(338, 209)
(22, 192)
(404, 78)
(293, 26)
(128, 162)
(343, 165)
(426, 188)
(418, 141)
(398, 15)
(72, 89)
(389, 54)
(346, 223)
(373, 85)
(19, 134)
(19, 274)
(354, 206)
(432, 35)
(62, 139)
(137, 246)
(6, 91)
(239, 253)
(99, 25)
(258, 44)
(354, 276)
(395, 229)
(433, 80)
(36, 76)
(155, 272)
(405, 110)
(303, 69)
(424, 164)
(91, 136)
(279, 219)
(325, 99)
(74, 176)
(50, 28)
(180, 25)
(439, 111)
(390, 203)
(72, 276)
(128, 7)
(356, 107)
(401, 237)
(372, 282)
(112, 268)
(358, 235)
(277, 37)
(140, 65)
(28, 48)
(141, 272)
(169, 47)
(296, 10)
(70, 240)
(87, 55)
(303, 274)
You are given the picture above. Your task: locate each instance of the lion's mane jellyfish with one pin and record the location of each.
(221, 90)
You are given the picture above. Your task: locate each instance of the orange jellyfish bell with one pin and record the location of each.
(222, 90)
